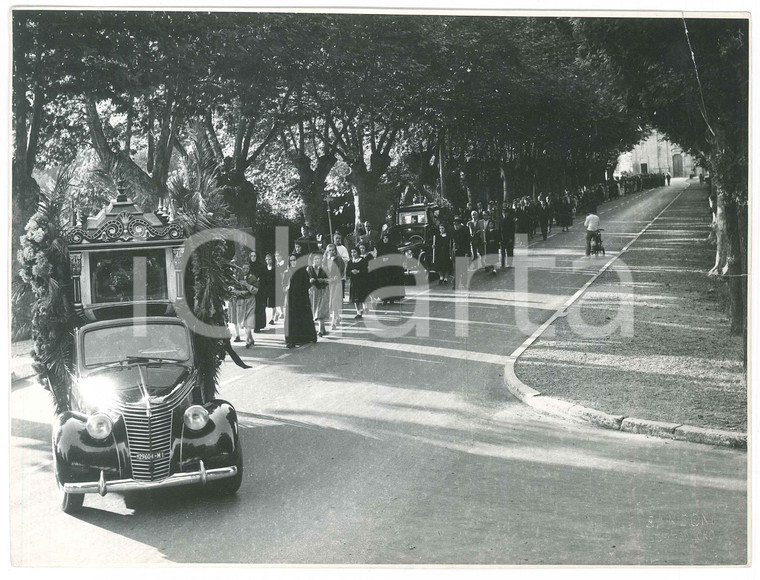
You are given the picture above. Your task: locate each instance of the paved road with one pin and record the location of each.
(408, 450)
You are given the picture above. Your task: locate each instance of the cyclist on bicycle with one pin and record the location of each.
(592, 227)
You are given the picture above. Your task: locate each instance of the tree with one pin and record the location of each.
(690, 79)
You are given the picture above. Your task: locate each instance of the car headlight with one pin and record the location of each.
(99, 426)
(196, 418)
(99, 392)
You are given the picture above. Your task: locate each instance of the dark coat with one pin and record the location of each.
(299, 320)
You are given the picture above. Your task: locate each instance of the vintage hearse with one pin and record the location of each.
(136, 417)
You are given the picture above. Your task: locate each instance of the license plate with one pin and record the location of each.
(150, 456)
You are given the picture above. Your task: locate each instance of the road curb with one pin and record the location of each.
(647, 427)
(578, 413)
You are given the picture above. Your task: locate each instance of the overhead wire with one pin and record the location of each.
(703, 108)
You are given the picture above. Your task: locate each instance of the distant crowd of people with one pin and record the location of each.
(314, 277)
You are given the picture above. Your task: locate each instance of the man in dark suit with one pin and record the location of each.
(550, 210)
(460, 248)
(371, 236)
(542, 215)
(507, 230)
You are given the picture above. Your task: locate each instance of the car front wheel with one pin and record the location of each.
(71, 502)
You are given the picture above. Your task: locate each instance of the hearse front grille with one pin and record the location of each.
(149, 444)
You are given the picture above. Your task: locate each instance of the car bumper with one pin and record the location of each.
(200, 477)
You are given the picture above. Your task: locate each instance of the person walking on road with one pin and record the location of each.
(371, 236)
(319, 293)
(667, 178)
(267, 287)
(507, 231)
(356, 270)
(344, 255)
(299, 320)
(258, 269)
(476, 229)
(565, 217)
(248, 285)
(442, 246)
(391, 273)
(335, 267)
(461, 249)
(551, 210)
(492, 243)
(542, 214)
(592, 226)
(280, 266)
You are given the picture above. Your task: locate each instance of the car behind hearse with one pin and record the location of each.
(413, 233)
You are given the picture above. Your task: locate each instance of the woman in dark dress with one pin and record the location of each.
(564, 214)
(493, 239)
(356, 271)
(442, 252)
(299, 320)
(370, 280)
(268, 277)
(259, 270)
(390, 273)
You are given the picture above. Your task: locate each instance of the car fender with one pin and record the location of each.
(79, 457)
(217, 444)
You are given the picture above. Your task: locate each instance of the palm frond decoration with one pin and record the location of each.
(199, 206)
(45, 271)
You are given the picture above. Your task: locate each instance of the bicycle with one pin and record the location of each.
(596, 243)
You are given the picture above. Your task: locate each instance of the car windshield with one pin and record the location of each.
(403, 235)
(165, 341)
(412, 217)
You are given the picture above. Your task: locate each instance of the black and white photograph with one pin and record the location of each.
(374, 286)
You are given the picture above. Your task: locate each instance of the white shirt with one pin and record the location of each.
(592, 222)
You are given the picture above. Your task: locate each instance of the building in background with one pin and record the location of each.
(656, 154)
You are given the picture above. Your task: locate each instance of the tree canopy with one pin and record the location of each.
(357, 110)
(360, 90)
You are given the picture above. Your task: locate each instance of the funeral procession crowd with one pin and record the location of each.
(307, 288)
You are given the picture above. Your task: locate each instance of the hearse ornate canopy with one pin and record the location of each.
(126, 256)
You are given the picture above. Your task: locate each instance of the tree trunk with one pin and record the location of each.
(34, 129)
(213, 141)
(506, 197)
(128, 133)
(735, 270)
(442, 164)
(315, 208)
(364, 183)
(313, 182)
(120, 164)
(242, 199)
(151, 141)
(721, 238)
(743, 217)
(25, 193)
(467, 175)
(164, 145)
